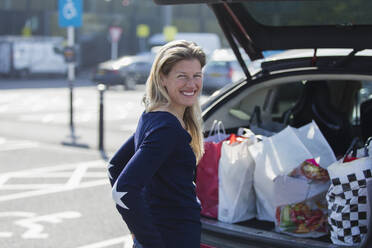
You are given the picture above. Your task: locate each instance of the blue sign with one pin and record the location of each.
(69, 13)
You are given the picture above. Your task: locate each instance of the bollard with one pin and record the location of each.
(101, 89)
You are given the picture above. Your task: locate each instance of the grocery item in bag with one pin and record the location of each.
(307, 218)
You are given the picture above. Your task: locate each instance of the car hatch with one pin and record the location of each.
(259, 26)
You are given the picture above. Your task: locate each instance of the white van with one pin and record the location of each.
(23, 56)
(208, 41)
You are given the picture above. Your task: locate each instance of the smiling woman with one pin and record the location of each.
(183, 84)
(152, 173)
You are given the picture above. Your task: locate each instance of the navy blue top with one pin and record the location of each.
(152, 176)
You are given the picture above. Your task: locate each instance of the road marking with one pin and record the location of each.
(73, 173)
(77, 176)
(31, 222)
(126, 240)
(9, 145)
(35, 229)
(13, 214)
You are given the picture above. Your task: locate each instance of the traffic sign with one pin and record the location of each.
(169, 32)
(115, 33)
(143, 30)
(69, 13)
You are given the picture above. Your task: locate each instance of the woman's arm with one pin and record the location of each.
(155, 149)
(120, 159)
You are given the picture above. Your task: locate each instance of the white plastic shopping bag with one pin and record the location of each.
(278, 155)
(217, 132)
(236, 196)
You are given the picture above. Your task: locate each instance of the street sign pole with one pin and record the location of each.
(69, 16)
(143, 32)
(115, 33)
(114, 50)
(71, 79)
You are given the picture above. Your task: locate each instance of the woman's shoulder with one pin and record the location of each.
(159, 119)
(162, 120)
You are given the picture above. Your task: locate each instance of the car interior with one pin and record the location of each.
(340, 107)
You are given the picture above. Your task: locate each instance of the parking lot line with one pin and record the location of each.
(125, 240)
(77, 171)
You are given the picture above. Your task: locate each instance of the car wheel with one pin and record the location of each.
(130, 84)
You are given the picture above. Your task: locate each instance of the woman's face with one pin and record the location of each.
(184, 82)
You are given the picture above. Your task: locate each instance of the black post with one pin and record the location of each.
(72, 128)
(101, 89)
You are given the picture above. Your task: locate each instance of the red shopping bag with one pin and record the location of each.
(207, 179)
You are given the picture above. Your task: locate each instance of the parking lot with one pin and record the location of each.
(54, 195)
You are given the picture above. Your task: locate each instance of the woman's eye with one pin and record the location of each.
(181, 76)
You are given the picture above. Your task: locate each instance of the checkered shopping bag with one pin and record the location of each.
(347, 199)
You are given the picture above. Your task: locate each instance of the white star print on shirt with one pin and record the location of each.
(108, 171)
(117, 195)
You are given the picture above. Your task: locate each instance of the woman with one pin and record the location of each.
(152, 173)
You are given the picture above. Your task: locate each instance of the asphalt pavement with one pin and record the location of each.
(54, 190)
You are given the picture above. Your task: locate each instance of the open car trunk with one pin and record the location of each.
(337, 102)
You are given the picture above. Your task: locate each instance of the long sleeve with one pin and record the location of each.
(156, 147)
(120, 159)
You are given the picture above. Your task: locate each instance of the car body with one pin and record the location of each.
(222, 68)
(324, 75)
(127, 70)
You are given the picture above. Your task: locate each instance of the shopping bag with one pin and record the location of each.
(347, 199)
(217, 132)
(237, 201)
(302, 212)
(281, 153)
(207, 171)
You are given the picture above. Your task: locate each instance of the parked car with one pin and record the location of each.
(321, 76)
(222, 68)
(127, 71)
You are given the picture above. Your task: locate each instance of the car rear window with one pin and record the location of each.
(306, 13)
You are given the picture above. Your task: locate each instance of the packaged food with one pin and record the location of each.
(308, 217)
(311, 171)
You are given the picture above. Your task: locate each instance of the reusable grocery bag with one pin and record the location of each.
(237, 201)
(207, 172)
(347, 199)
(281, 153)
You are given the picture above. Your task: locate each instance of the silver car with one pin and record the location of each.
(221, 69)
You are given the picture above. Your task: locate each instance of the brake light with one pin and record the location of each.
(231, 71)
(206, 246)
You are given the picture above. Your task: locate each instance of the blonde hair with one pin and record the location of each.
(156, 95)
